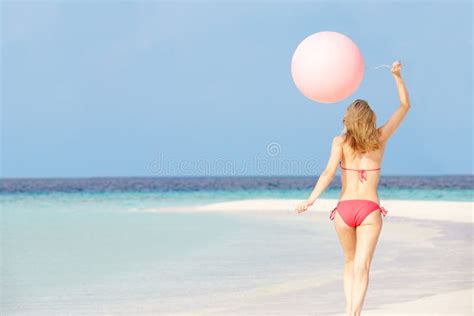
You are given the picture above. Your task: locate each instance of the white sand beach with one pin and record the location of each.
(450, 303)
(425, 210)
(413, 224)
(455, 303)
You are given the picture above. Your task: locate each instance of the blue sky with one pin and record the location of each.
(112, 89)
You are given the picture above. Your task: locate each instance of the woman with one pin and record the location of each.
(357, 217)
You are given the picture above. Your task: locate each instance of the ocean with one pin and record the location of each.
(89, 246)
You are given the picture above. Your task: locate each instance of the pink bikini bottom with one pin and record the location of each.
(353, 212)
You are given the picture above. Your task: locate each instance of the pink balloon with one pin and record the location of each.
(327, 67)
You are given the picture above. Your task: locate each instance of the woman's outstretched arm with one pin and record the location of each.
(397, 117)
(326, 176)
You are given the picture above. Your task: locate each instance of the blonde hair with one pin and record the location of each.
(361, 131)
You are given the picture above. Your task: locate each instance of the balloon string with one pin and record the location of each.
(380, 66)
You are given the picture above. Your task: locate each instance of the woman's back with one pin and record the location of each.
(359, 151)
(360, 173)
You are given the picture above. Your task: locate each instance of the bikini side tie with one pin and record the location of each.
(333, 213)
(383, 210)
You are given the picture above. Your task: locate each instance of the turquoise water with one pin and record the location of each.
(56, 255)
(130, 200)
(92, 252)
(86, 253)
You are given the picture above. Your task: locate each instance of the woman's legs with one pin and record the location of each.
(367, 236)
(347, 238)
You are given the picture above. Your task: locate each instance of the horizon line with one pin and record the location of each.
(213, 176)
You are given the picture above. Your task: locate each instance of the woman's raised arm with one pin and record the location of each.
(397, 117)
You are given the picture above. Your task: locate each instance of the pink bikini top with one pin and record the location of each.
(362, 172)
